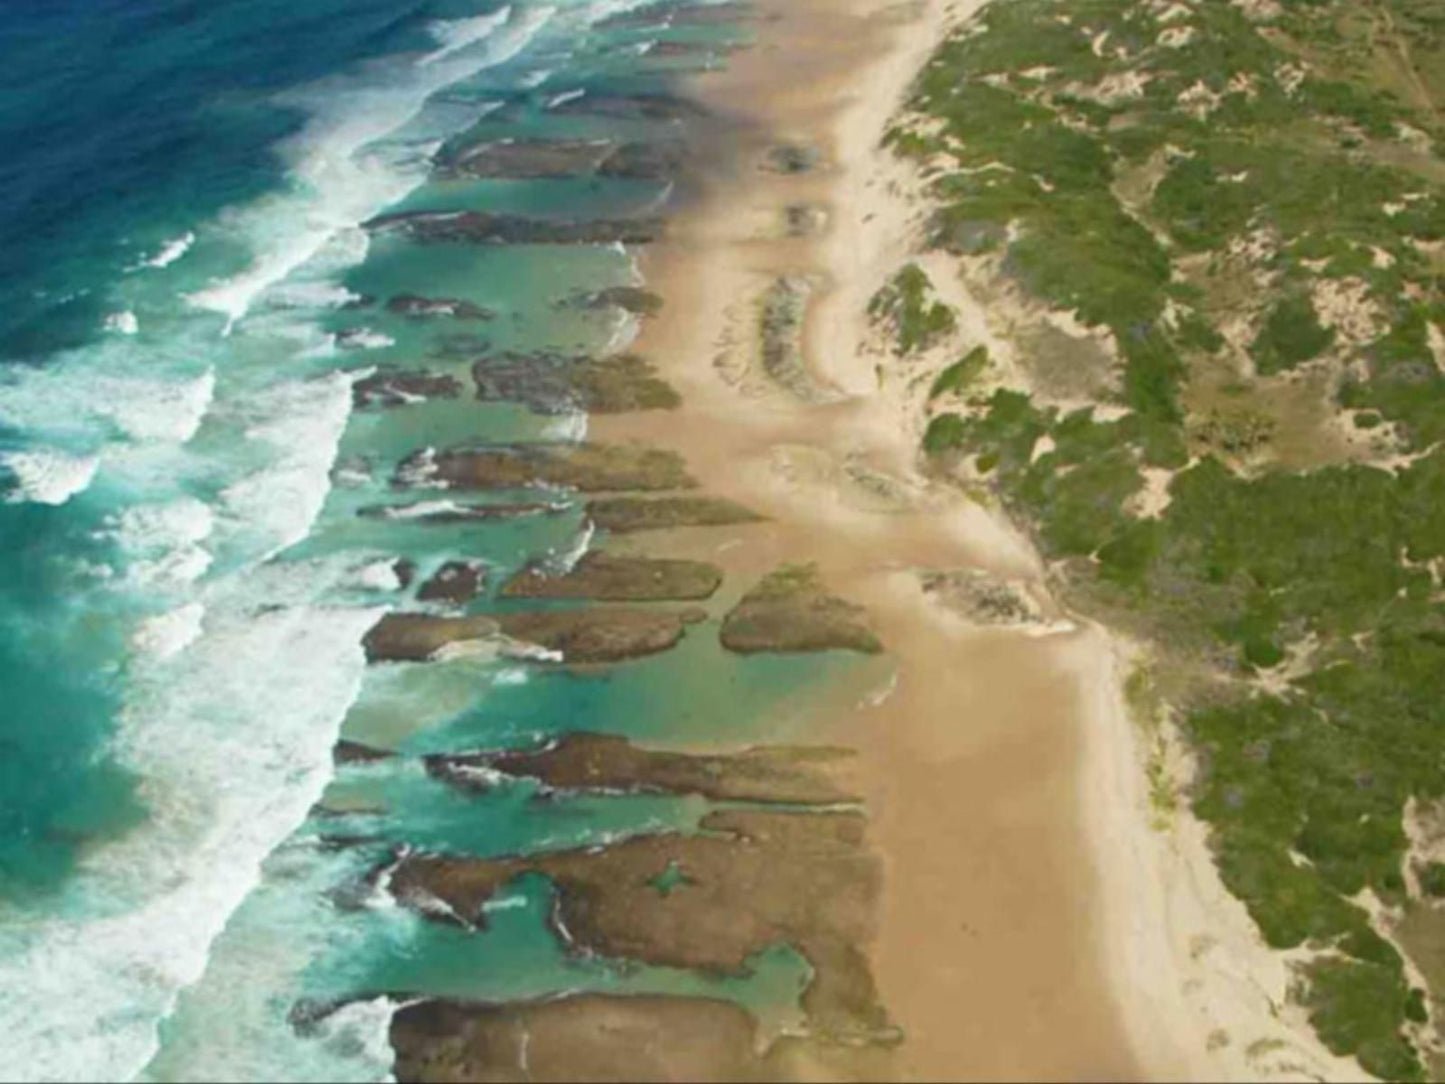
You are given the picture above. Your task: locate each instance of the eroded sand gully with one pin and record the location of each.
(987, 955)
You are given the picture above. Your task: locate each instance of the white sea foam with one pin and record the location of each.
(300, 425)
(457, 34)
(377, 576)
(511, 675)
(567, 559)
(158, 410)
(46, 476)
(163, 542)
(567, 427)
(535, 78)
(170, 633)
(565, 97)
(506, 903)
(124, 323)
(363, 339)
(86, 396)
(171, 251)
(419, 471)
(232, 742)
(344, 171)
(314, 295)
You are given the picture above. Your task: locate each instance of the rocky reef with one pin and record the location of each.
(579, 1037)
(588, 467)
(752, 880)
(623, 515)
(421, 307)
(582, 761)
(392, 388)
(633, 299)
(653, 107)
(549, 383)
(457, 512)
(486, 228)
(455, 582)
(790, 610)
(604, 578)
(543, 159)
(572, 636)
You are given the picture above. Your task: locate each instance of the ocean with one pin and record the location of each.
(190, 888)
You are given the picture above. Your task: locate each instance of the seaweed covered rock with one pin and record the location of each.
(391, 388)
(583, 761)
(571, 636)
(588, 467)
(579, 1037)
(487, 228)
(623, 515)
(711, 901)
(604, 578)
(455, 582)
(789, 610)
(549, 383)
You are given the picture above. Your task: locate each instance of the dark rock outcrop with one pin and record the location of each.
(456, 582)
(485, 228)
(577, 636)
(604, 578)
(580, 1037)
(709, 902)
(789, 610)
(623, 515)
(633, 299)
(390, 388)
(588, 467)
(352, 752)
(454, 512)
(542, 159)
(582, 761)
(556, 384)
(654, 107)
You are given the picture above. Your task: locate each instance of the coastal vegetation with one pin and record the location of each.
(1245, 201)
(906, 304)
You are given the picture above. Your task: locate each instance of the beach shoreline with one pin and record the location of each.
(969, 752)
(1066, 932)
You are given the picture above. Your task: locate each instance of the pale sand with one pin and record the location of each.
(1035, 925)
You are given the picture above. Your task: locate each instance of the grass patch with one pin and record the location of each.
(906, 303)
(960, 376)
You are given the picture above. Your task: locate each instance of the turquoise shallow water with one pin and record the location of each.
(187, 580)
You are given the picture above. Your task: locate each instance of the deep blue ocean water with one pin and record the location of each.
(184, 580)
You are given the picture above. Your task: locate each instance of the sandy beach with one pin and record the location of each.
(1038, 920)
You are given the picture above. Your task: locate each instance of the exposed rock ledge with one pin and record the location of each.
(588, 467)
(485, 228)
(455, 582)
(789, 610)
(623, 515)
(557, 384)
(583, 761)
(572, 636)
(541, 159)
(390, 388)
(604, 578)
(709, 902)
(581, 1037)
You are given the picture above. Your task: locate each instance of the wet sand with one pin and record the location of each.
(989, 954)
